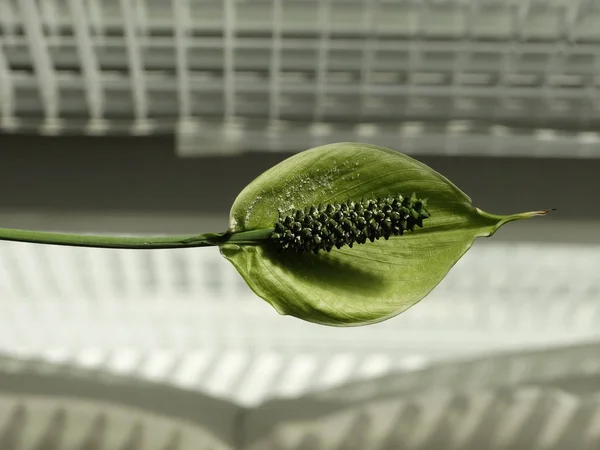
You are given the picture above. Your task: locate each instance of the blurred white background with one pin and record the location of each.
(148, 117)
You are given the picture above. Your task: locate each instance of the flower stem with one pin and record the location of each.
(138, 242)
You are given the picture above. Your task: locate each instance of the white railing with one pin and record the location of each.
(288, 74)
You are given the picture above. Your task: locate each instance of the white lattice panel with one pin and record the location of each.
(30, 422)
(529, 418)
(534, 400)
(233, 75)
(186, 316)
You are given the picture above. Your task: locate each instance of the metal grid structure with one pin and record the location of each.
(32, 422)
(236, 75)
(50, 406)
(528, 417)
(186, 317)
(536, 400)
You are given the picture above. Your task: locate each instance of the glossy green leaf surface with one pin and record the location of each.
(367, 283)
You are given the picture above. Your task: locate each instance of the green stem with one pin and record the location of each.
(139, 242)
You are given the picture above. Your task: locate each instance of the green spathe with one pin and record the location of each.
(370, 282)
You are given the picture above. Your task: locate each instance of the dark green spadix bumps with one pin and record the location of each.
(349, 223)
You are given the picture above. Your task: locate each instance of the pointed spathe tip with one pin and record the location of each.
(544, 212)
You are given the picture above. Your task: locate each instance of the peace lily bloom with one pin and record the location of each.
(344, 234)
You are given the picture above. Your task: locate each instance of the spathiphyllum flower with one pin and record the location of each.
(343, 234)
